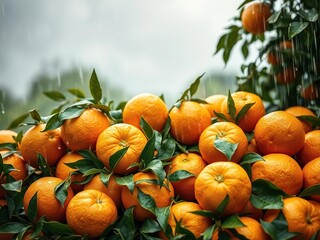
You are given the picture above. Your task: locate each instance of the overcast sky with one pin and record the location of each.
(143, 45)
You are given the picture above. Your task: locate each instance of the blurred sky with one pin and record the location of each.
(142, 45)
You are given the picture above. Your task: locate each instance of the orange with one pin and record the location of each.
(47, 203)
(252, 146)
(251, 117)
(113, 189)
(252, 212)
(82, 132)
(311, 175)
(310, 149)
(63, 170)
(286, 76)
(301, 215)
(214, 103)
(275, 56)
(49, 144)
(226, 131)
(182, 212)
(280, 169)
(149, 106)
(188, 121)
(311, 91)
(252, 230)
(254, 17)
(20, 172)
(90, 212)
(192, 163)
(117, 137)
(7, 136)
(219, 179)
(279, 132)
(161, 195)
(301, 111)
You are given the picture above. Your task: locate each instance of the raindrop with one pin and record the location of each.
(2, 108)
(80, 71)
(58, 78)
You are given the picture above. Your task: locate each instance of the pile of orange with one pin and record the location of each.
(179, 172)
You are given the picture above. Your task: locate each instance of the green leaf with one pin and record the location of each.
(16, 122)
(12, 227)
(150, 226)
(194, 86)
(105, 178)
(116, 157)
(146, 201)
(207, 234)
(13, 186)
(296, 28)
(162, 215)
(205, 213)
(221, 43)
(57, 228)
(311, 15)
(313, 190)
(95, 88)
(274, 17)
(88, 154)
(222, 206)
(126, 181)
(231, 107)
(225, 147)
(53, 123)
(263, 186)
(179, 175)
(76, 92)
(232, 221)
(184, 232)
(146, 128)
(221, 116)
(266, 201)
(43, 165)
(243, 111)
(61, 191)
(83, 165)
(250, 158)
(125, 227)
(71, 112)
(35, 115)
(148, 151)
(32, 207)
(156, 167)
(315, 121)
(245, 50)
(55, 95)
(167, 149)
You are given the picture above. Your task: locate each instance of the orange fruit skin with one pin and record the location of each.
(254, 17)
(219, 179)
(214, 103)
(162, 196)
(223, 130)
(286, 76)
(188, 121)
(117, 137)
(193, 163)
(7, 136)
(301, 111)
(49, 144)
(310, 149)
(20, 172)
(311, 92)
(182, 212)
(252, 230)
(81, 133)
(280, 169)
(302, 217)
(47, 204)
(90, 212)
(250, 119)
(279, 132)
(113, 190)
(252, 212)
(63, 171)
(311, 176)
(150, 107)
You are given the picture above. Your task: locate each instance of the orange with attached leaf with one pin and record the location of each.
(298, 111)
(219, 180)
(214, 103)
(311, 176)
(223, 136)
(20, 171)
(118, 137)
(47, 203)
(248, 121)
(7, 136)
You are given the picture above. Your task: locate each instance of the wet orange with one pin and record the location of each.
(310, 149)
(311, 175)
(311, 91)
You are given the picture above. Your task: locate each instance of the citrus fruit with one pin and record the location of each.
(228, 132)
(47, 203)
(310, 149)
(219, 180)
(311, 91)
(279, 132)
(287, 75)
(7, 136)
(20, 171)
(254, 17)
(188, 121)
(311, 175)
(280, 169)
(182, 212)
(90, 212)
(251, 117)
(49, 144)
(214, 103)
(192, 163)
(149, 106)
(298, 111)
(81, 133)
(162, 195)
(117, 137)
